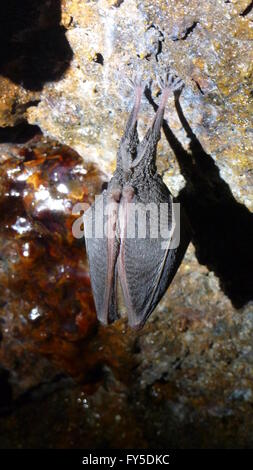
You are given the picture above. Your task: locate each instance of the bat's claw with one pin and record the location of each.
(170, 81)
(136, 82)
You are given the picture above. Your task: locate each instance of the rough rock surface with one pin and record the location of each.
(186, 379)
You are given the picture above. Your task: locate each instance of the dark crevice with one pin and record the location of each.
(198, 86)
(44, 389)
(20, 108)
(5, 388)
(36, 393)
(187, 32)
(18, 134)
(94, 375)
(70, 21)
(33, 45)
(118, 3)
(147, 56)
(159, 48)
(136, 349)
(247, 10)
(99, 58)
(160, 40)
(222, 228)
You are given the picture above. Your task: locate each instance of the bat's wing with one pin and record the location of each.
(102, 254)
(146, 267)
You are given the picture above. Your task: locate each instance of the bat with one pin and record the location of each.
(132, 240)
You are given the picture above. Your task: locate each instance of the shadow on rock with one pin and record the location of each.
(33, 45)
(222, 228)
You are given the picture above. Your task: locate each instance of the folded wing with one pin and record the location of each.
(102, 253)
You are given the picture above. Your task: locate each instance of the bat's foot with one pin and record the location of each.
(136, 81)
(170, 82)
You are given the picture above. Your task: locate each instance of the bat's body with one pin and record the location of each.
(146, 265)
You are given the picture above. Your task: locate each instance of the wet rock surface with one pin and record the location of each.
(185, 380)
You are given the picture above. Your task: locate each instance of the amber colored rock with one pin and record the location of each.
(46, 297)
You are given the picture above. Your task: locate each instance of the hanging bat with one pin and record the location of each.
(142, 262)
